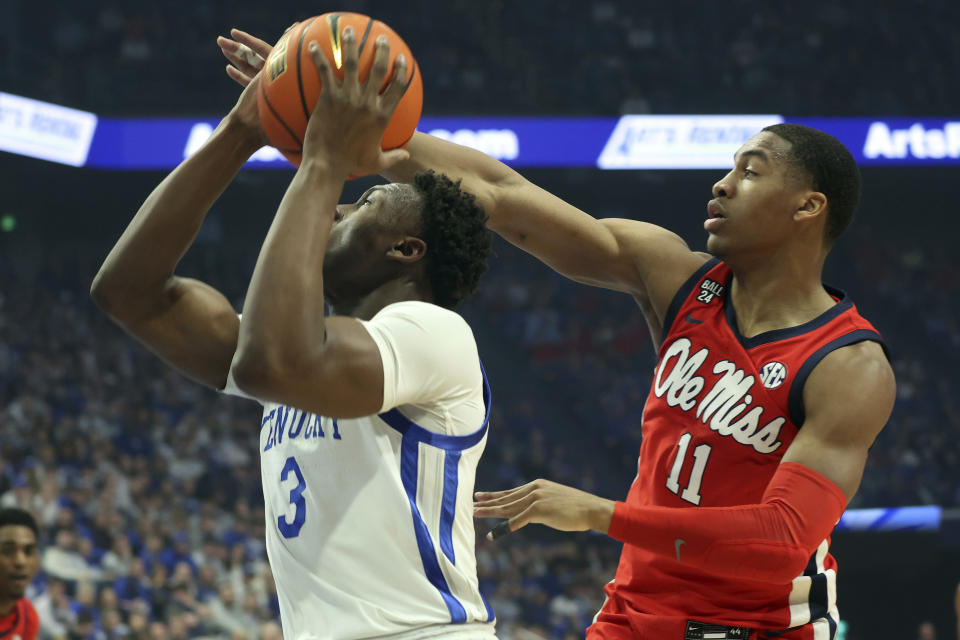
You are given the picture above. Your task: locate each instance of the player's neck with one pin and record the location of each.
(366, 306)
(778, 293)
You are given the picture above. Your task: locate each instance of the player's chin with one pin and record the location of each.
(717, 246)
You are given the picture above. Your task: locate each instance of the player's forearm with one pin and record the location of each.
(568, 240)
(145, 256)
(770, 542)
(283, 315)
(480, 174)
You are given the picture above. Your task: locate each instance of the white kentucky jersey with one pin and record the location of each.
(370, 520)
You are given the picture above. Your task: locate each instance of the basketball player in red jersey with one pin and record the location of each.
(769, 386)
(19, 562)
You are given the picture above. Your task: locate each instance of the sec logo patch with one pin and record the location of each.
(773, 374)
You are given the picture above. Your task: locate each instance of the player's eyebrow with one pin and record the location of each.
(371, 190)
(757, 153)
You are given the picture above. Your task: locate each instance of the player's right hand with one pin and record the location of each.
(347, 123)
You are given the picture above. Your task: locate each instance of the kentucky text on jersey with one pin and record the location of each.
(296, 423)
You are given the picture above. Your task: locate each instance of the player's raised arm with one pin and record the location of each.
(188, 323)
(642, 259)
(288, 351)
(635, 257)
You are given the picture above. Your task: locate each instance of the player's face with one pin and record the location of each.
(753, 205)
(18, 560)
(362, 233)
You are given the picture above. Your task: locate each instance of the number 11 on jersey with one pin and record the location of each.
(701, 454)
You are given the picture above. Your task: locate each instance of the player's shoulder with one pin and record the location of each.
(427, 314)
(424, 326)
(855, 376)
(863, 359)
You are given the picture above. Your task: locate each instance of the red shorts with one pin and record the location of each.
(618, 621)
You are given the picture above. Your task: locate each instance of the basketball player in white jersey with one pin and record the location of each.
(374, 417)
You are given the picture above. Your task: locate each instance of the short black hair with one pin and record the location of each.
(831, 169)
(454, 226)
(14, 516)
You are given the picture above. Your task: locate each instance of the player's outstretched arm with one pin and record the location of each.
(638, 258)
(848, 399)
(288, 351)
(188, 323)
(642, 259)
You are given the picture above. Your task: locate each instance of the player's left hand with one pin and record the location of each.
(544, 502)
(350, 117)
(246, 54)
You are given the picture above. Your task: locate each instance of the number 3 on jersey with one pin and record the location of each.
(700, 456)
(292, 529)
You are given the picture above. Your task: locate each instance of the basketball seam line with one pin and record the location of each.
(303, 98)
(363, 40)
(410, 81)
(276, 115)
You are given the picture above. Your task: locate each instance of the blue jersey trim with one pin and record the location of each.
(795, 397)
(682, 294)
(833, 626)
(412, 435)
(818, 597)
(408, 428)
(843, 304)
(490, 614)
(410, 455)
(451, 467)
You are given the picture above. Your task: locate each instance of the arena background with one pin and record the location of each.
(147, 486)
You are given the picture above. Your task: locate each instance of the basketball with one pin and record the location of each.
(290, 85)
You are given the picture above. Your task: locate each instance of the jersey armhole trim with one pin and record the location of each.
(682, 294)
(410, 429)
(795, 397)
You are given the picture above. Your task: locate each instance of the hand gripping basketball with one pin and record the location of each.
(290, 85)
(348, 121)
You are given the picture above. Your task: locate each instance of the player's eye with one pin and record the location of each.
(749, 173)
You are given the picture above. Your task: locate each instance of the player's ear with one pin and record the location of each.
(814, 204)
(407, 249)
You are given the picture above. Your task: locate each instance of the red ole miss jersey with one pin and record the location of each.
(21, 623)
(721, 412)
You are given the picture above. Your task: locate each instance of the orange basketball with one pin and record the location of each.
(290, 85)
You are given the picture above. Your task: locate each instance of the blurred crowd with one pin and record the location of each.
(121, 57)
(147, 486)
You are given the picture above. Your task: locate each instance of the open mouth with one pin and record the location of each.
(714, 210)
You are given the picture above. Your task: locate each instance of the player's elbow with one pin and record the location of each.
(764, 561)
(793, 563)
(254, 371)
(103, 295)
(263, 372)
(125, 302)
